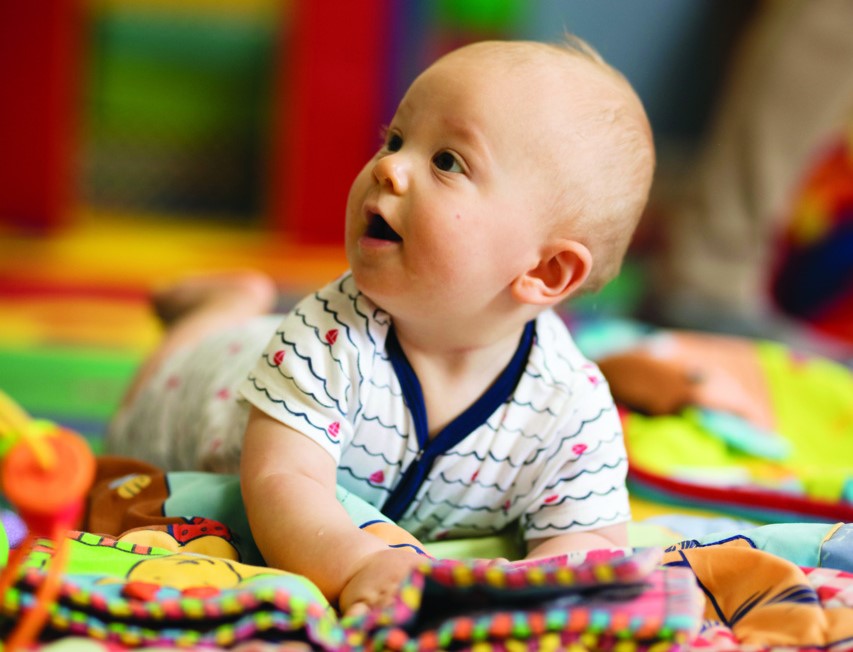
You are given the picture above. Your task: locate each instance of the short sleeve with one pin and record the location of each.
(309, 374)
(583, 482)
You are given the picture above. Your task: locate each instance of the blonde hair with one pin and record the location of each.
(601, 201)
(601, 172)
(604, 210)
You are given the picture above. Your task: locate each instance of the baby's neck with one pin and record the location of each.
(454, 375)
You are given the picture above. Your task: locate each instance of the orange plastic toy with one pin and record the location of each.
(45, 473)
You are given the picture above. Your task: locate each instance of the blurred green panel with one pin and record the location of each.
(177, 110)
(67, 382)
(178, 76)
(481, 15)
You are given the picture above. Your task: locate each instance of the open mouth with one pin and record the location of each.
(378, 228)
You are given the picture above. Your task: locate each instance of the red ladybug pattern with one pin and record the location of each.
(197, 527)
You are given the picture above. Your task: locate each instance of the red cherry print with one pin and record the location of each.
(332, 336)
(333, 429)
(278, 357)
(578, 449)
(474, 475)
(377, 477)
(591, 373)
(550, 499)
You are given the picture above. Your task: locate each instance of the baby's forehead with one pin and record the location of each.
(530, 98)
(535, 76)
(541, 74)
(519, 57)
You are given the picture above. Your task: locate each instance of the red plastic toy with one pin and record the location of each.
(45, 474)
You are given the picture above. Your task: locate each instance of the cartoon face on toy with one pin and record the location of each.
(194, 535)
(186, 570)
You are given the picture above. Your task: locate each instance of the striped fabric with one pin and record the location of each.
(550, 452)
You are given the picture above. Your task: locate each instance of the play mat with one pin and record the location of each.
(741, 456)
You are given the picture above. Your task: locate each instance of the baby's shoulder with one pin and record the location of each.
(339, 312)
(554, 358)
(560, 385)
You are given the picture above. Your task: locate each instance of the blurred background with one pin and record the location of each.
(143, 139)
(206, 110)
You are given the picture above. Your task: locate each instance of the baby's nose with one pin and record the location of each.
(394, 171)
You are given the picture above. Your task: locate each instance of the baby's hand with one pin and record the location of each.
(377, 580)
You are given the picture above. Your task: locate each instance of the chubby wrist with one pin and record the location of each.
(378, 578)
(347, 561)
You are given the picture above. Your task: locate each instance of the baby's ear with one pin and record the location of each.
(561, 270)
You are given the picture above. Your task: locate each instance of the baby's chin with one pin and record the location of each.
(397, 301)
(363, 284)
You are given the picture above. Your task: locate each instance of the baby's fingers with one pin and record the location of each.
(489, 561)
(376, 600)
(356, 610)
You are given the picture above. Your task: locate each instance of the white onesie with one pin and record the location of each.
(543, 445)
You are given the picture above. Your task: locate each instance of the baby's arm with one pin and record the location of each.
(611, 536)
(288, 484)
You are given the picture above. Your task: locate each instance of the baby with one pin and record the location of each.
(433, 380)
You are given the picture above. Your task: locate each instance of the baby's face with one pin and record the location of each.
(452, 207)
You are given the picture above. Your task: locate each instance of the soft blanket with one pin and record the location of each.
(743, 427)
(137, 595)
(757, 599)
(186, 573)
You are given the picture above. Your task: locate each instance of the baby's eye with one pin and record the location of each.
(446, 162)
(394, 143)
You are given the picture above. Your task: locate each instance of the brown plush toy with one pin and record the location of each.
(646, 384)
(676, 369)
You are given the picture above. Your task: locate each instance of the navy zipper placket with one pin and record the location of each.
(473, 417)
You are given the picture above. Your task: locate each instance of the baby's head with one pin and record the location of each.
(587, 136)
(511, 169)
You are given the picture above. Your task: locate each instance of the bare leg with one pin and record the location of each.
(199, 306)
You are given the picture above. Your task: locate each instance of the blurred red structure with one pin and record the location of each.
(39, 64)
(334, 72)
(331, 79)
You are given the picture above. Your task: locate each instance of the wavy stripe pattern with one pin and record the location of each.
(551, 458)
